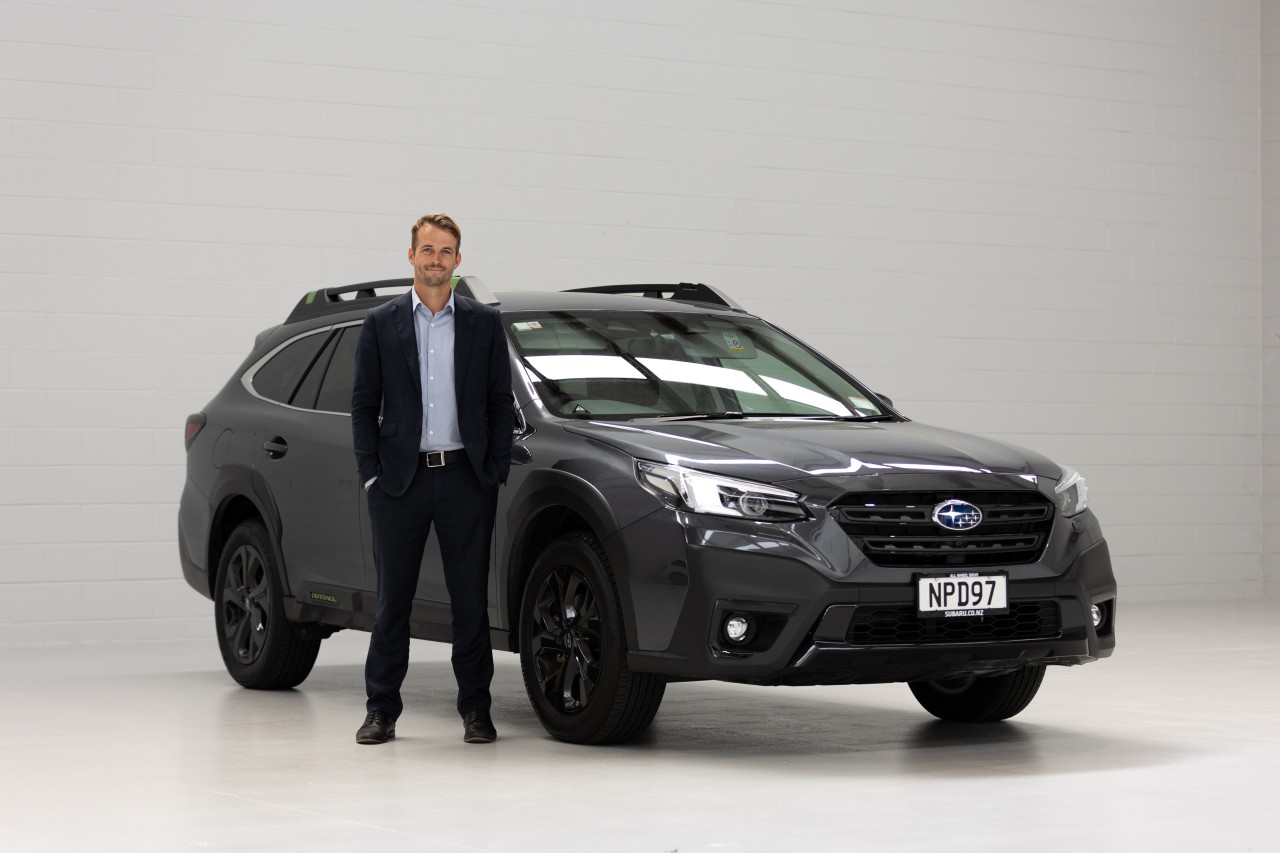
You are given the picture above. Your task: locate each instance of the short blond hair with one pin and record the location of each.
(439, 220)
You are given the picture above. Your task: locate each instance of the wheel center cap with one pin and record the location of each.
(568, 639)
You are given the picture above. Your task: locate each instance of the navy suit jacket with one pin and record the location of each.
(388, 381)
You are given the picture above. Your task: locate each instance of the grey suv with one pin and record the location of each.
(695, 494)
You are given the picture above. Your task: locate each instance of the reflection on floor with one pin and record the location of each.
(1173, 744)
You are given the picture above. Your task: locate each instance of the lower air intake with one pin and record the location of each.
(898, 625)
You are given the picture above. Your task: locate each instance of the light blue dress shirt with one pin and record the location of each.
(435, 362)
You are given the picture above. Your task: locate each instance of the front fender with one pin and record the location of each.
(542, 507)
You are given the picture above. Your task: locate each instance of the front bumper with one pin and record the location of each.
(804, 623)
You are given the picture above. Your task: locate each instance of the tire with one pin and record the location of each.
(986, 699)
(573, 650)
(261, 649)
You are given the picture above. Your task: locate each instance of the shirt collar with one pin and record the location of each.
(417, 301)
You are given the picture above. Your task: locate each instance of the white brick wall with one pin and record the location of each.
(1034, 220)
(1270, 297)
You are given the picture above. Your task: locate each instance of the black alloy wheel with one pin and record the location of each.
(573, 651)
(245, 610)
(260, 647)
(568, 645)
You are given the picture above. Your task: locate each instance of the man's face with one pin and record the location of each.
(435, 257)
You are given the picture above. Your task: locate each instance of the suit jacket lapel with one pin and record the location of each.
(463, 327)
(407, 334)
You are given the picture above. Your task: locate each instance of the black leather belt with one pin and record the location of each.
(441, 458)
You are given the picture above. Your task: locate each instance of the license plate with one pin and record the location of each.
(962, 594)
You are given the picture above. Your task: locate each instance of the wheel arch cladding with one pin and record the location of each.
(238, 497)
(553, 503)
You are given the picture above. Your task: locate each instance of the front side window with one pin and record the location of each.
(635, 364)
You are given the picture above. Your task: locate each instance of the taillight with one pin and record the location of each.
(195, 423)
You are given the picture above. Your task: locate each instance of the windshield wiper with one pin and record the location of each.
(850, 418)
(738, 416)
(706, 416)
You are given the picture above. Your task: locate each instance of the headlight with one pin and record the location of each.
(697, 491)
(1072, 493)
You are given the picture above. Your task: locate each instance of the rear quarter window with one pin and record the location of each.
(339, 380)
(279, 377)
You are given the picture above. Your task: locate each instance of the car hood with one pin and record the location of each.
(780, 450)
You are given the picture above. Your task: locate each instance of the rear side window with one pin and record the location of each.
(335, 391)
(305, 396)
(278, 378)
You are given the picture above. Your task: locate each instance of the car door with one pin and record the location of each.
(431, 586)
(304, 453)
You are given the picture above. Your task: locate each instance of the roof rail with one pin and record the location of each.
(683, 292)
(330, 300)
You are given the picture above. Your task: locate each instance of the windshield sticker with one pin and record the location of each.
(524, 327)
(733, 342)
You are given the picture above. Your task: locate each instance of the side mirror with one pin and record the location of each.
(888, 402)
(520, 454)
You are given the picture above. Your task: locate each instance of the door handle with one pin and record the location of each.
(276, 448)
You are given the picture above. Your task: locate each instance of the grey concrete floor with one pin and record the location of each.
(1173, 744)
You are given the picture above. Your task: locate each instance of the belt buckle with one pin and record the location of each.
(437, 453)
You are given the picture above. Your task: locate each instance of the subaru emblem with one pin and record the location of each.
(957, 515)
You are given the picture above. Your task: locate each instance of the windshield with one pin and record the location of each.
(640, 364)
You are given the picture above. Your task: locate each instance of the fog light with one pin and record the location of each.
(737, 628)
(1096, 612)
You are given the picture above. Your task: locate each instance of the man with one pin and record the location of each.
(435, 364)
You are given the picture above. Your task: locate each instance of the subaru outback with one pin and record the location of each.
(694, 494)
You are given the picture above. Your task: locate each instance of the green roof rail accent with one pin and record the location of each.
(330, 300)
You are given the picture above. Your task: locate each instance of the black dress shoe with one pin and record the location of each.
(478, 728)
(378, 728)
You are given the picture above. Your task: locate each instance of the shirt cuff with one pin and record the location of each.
(370, 483)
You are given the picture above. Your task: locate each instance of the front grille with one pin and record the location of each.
(898, 625)
(897, 528)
